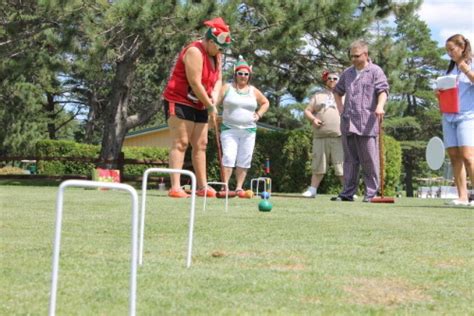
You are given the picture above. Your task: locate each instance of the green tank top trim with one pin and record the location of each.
(226, 128)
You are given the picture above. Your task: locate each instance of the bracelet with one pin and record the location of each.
(259, 116)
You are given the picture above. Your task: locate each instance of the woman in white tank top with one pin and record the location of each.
(243, 105)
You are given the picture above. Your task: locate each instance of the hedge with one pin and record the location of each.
(289, 153)
(290, 157)
(60, 148)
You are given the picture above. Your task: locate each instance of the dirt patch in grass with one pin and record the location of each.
(292, 265)
(311, 300)
(388, 292)
(288, 267)
(247, 255)
(451, 263)
(218, 254)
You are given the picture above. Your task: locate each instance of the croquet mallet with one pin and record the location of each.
(381, 198)
(219, 156)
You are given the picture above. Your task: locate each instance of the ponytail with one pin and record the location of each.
(460, 41)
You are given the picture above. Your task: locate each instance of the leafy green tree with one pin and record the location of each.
(412, 62)
(33, 39)
(291, 42)
(109, 60)
(128, 48)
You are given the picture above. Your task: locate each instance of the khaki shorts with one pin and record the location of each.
(325, 150)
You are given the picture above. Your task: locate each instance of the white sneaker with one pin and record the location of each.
(310, 192)
(457, 203)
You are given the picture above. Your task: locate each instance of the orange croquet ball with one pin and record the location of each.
(249, 194)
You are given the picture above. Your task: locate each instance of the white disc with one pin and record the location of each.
(435, 153)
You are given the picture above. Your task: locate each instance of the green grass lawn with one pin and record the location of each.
(306, 256)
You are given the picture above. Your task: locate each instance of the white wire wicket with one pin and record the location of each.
(57, 237)
(191, 211)
(226, 194)
(265, 180)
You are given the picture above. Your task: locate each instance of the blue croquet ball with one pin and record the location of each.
(265, 195)
(264, 206)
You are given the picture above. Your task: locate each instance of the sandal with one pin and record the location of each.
(178, 193)
(241, 194)
(210, 192)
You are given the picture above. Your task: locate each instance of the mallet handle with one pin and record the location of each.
(219, 149)
(381, 158)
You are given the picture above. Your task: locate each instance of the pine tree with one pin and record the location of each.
(33, 38)
(413, 62)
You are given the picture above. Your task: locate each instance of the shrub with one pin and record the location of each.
(62, 148)
(393, 164)
(290, 157)
(11, 170)
(152, 153)
(289, 153)
(53, 148)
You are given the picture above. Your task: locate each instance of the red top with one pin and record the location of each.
(178, 90)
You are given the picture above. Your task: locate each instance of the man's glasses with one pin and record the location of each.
(242, 74)
(356, 56)
(333, 78)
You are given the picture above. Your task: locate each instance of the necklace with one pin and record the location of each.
(242, 91)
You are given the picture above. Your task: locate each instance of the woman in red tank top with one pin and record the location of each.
(190, 97)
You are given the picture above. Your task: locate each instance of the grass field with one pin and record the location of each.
(414, 257)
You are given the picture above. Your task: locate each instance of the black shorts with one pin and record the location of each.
(185, 112)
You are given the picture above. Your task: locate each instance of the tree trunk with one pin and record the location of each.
(91, 122)
(410, 110)
(409, 179)
(414, 104)
(116, 114)
(49, 109)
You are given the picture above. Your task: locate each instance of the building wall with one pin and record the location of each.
(159, 138)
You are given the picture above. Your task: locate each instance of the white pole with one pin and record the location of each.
(57, 237)
(191, 211)
(226, 194)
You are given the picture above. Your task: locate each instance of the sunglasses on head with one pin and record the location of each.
(223, 38)
(333, 78)
(243, 74)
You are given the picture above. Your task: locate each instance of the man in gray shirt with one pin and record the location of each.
(365, 88)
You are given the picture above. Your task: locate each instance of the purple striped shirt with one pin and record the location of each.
(361, 94)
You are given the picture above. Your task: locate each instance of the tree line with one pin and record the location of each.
(94, 70)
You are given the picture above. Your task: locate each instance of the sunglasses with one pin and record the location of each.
(242, 74)
(223, 38)
(356, 56)
(333, 78)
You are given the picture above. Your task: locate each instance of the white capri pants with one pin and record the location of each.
(237, 148)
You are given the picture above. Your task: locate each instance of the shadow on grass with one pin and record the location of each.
(48, 182)
(31, 183)
(437, 206)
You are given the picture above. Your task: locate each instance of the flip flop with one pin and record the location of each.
(221, 194)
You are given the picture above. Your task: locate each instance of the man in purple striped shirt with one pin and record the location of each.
(365, 88)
